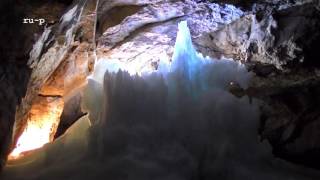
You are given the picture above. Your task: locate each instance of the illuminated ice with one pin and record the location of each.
(179, 122)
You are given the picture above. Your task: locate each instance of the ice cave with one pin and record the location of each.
(160, 89)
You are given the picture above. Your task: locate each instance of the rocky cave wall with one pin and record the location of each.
(16, 43)
(275, 39)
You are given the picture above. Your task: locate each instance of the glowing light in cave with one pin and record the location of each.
(40, 129)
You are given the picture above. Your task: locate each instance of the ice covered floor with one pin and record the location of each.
(179, 122)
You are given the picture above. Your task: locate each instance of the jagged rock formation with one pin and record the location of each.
(278, 37)
(16, 43)
(47, 54)
(274, 38)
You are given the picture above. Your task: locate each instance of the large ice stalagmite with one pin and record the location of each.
(179, 122)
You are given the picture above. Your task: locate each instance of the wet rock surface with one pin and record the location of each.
(275, 39)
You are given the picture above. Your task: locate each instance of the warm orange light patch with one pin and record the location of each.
(42, 124)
